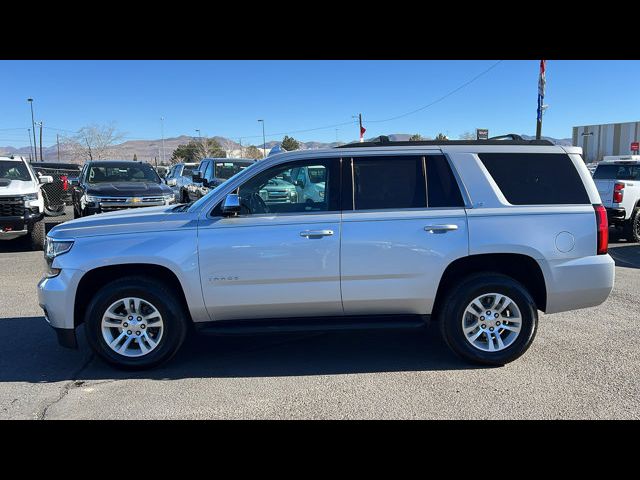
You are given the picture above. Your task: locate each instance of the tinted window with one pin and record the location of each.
(388, 182)
(14, 171)
(442, 187)
(617, 172)
(536, 178)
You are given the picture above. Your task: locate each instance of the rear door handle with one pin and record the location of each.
(440, 228)
(316, 233)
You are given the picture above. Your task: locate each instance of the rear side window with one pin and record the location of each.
(617, 172)
(442, 188)
(536, 178)
(388, 182)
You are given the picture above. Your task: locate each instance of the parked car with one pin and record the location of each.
(617, 178)
(212, 172)
(107, 185)
(57, 195)
(477, 236)
(179, 176)
(22, 201)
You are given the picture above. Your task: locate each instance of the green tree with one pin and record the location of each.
(441, 136)
(253, 152)
(196, 150)
(415, 137)
(290, 144)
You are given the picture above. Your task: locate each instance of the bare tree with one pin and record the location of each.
(210, 148)
(93, 142)
(467, 136)
(229, 146)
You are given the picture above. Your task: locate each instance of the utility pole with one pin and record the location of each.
(541, 86)
(41, 157)
(58, 142)
(33, 126)
(264, 141)
(30, 146)
(162, 133)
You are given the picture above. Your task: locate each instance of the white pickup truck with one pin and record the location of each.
(617, 178)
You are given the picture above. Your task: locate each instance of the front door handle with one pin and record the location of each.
(316, 233)
(440, 228)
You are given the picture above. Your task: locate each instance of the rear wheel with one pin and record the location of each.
(632, 227)
(135, 323)
(488, 319)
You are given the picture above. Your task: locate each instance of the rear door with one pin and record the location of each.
(403, 222)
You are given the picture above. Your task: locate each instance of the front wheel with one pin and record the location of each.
(37, 235)
(489, 319)
(135, 323)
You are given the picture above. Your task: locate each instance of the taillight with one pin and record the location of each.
(618, 192)
(65, 182)
(602, 225)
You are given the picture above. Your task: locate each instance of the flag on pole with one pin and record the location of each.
(362, 129)
(541, 85)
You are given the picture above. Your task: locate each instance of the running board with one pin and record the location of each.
(314, 324)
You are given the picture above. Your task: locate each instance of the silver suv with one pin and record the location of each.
(475, 235)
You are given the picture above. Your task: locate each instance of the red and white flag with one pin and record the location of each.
(362, 130)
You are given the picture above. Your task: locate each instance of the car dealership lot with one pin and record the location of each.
(583, 364)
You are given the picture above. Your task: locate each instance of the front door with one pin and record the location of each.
(280, 257)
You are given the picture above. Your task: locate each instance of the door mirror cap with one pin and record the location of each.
(231, 205)
(172, 182)
(46, 179)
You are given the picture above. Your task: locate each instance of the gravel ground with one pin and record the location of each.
(583, 364)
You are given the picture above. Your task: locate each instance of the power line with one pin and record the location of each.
(439, 99)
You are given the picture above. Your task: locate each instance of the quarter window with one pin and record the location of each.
(442, 187)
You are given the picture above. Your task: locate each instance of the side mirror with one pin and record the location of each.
(196, 177)
(299, 183)
(231, 205)
(172, 182)
(46, 179)
(205, 182)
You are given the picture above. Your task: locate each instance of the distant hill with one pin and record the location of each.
(149, 150)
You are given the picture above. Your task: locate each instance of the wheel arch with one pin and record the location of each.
(96, 278)
(520, 267)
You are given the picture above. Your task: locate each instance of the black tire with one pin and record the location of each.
(463, 293)
(185, 197)
(148, 289)
(632, 227)
(37, 235)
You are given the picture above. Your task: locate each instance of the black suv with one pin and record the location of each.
(212, 172)
(107, 185)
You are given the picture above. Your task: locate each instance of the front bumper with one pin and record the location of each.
(56, 297)
(615, 215)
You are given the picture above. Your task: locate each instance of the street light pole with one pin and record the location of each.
(162, 133)
(33, 126)
(264, 141)
(30, 146)
(41, 157)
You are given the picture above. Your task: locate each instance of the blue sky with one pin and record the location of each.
(227, 97)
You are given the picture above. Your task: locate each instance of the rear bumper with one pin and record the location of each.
(615, 215)
(579, 283)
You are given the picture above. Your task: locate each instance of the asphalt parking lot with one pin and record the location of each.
(582, 365)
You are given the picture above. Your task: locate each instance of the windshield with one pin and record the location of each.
(316, 174)
(202, 200)
(617, 172)
(14, 171)
(226, 170)
(122, 173)
(188, 171)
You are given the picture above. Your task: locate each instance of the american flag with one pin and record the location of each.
(541, 84)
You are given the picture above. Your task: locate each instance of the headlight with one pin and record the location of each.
(168, 199)
(53, 248)
(31, 196)
(90, 199)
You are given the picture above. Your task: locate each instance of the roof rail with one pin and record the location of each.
(509, 139)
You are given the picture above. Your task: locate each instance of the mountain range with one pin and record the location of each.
(150, 150)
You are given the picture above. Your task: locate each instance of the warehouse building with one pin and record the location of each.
(607, 139)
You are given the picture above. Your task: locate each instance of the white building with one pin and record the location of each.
(607, 139)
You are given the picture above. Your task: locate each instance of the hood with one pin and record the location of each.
(133, 220)
(128, 189)
(279, 184)
(17, 187)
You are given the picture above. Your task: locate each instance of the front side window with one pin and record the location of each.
(274, 191)
(393, 182)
